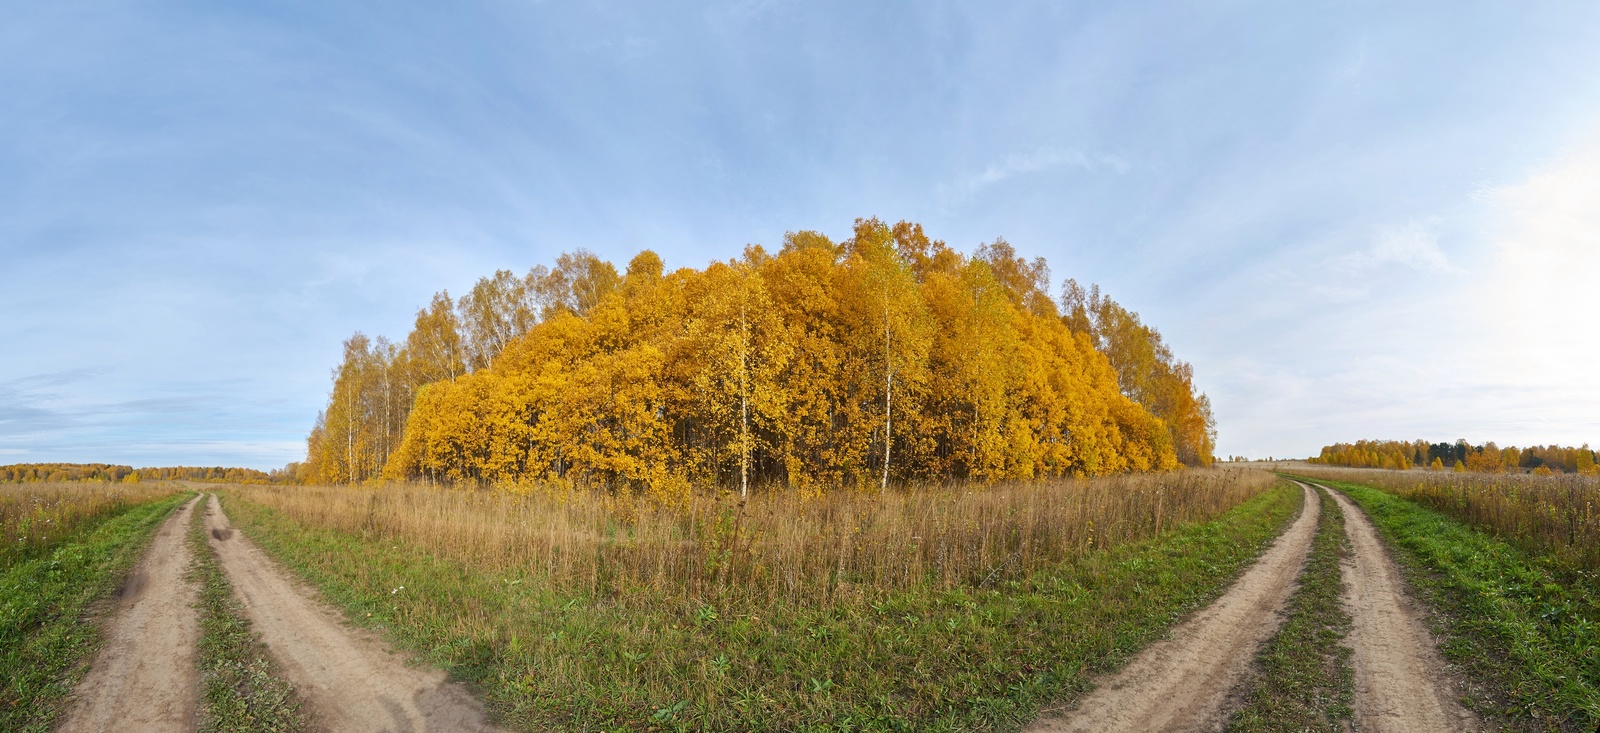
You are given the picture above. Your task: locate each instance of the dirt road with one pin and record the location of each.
(1182, 683)
(348, 678)
(145, 678)
(1400, 680)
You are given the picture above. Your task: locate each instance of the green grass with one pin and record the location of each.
(239, 691)
(1524, 628)
(1305, 681)
(978, 658)
(47, 628)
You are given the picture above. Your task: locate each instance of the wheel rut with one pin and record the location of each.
(144, 677)
(348, 678)
(1183, 683)
(1401, 683)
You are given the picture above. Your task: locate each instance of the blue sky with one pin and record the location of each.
(1356, 219)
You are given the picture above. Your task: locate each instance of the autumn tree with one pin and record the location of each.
(497, 310)
(1147, 372)
(882, 358)
(577, 284)
(434, 348)
(366, 414)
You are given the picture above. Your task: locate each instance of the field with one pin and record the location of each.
(1557, 517)
(1216, 599)
(936, 608)
(35, 517)
(1502, 562)
(67, 547)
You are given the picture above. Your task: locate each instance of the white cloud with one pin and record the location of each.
(1497, 339)
(1540, 291)
(1335, 293)
(1413, 245)
(1552, 218)
(1040, 160)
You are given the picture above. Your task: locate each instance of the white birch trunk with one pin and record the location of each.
(744, 403)
(888, 391)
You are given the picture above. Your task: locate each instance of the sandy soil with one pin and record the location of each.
(1182, 683)
(349, 679)
(145, 678)
(1401, 683)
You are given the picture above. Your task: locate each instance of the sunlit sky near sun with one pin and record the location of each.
(1356, 219)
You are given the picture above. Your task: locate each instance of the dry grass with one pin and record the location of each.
(1555, 515)
(776, 547)
(933, 608)
(38, 515)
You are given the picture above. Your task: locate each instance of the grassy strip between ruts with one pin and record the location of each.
(969, 659)
(45, 642)
(1305, 681)
(239, 690)
(1525, 630)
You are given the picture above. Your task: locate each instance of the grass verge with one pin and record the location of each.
(980, 657)
(239, 691)
(47, 633)
(1524, 628)
(1305, 682)
(36, 517)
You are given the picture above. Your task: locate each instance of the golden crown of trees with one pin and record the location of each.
(105, 472)
(884, 357)
(1460, 456)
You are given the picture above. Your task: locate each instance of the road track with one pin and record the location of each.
(1401, 684)
(349, 679)
(1183, 683)
(145, 677)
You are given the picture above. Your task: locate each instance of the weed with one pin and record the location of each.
(1554, 516)
(239, 688)
(1305, 681)
(35, 517)
(775, 547)
(1520, 624)
(633, 635)
(48, 630)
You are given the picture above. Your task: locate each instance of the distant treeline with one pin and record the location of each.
(60, 472)
(885, 357)
(1459, 456)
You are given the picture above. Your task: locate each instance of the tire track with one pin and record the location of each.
(1401, 683)
(349, 679)
(1183, 683)
(145, 676)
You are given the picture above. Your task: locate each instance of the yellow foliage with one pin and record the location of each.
(884, 357)
(1461, 456)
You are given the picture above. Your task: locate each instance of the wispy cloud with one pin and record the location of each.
(1413, 245)
(1038, 161)
(1539, 287)
(51, 379)
(25, 406)
(1553, 214)
(255, 188)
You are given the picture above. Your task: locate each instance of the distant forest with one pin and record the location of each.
(1459, 456)
(885, 357)
(59, 472)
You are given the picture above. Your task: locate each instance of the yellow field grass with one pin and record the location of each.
(1558, 515)
(775, 546)
(36, 515)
